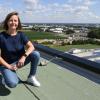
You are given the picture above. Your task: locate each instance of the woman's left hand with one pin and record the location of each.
(21, 62)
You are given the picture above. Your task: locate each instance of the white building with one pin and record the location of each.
(57, 30)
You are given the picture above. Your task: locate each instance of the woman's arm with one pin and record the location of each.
(4, 63)
(29, 48)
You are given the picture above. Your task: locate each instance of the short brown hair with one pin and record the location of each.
(5, 25)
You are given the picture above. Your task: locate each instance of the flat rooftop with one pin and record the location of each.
(92, 54)
(59, 80)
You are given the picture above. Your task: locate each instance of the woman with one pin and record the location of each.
(13, 53)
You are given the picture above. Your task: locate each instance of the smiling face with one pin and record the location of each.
(13, 22)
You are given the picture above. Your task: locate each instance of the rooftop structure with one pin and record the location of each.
(90, 54)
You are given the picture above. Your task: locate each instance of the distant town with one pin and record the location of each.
(71, 31)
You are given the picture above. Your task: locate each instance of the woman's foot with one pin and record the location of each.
(32, 80)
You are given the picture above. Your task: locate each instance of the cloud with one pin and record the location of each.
(31, 2)
(4, 11)
(89, 2)
(30, 5)
(92, 15)
(69, 10)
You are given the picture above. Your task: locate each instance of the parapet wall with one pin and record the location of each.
(90, 65)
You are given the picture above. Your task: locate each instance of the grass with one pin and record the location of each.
(68, 47)
(32, 35)
(47, 35)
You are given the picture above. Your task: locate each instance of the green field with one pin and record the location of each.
(68, 47)
(41, 35)
(47, 35)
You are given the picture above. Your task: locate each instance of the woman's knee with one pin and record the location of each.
(35, 54)
(12, 84)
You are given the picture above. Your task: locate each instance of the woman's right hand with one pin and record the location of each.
(12, 67)
(9, 66)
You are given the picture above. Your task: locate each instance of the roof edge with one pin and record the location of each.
(82, 62)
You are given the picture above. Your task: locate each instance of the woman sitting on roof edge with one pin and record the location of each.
(13, 54)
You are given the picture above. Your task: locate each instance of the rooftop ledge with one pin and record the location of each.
(87, 64)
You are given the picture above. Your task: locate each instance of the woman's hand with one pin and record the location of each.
(9, 66)
(12, 67)
(21, 62)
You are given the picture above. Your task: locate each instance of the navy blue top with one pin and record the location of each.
(12, 47)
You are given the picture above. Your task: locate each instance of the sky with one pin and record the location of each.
(52, 11)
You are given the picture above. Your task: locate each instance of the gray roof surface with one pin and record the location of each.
(59, 80)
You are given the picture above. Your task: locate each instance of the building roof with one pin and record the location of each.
(60, 80)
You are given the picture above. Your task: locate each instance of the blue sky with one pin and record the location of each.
(53, 11)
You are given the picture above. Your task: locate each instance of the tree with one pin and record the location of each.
(95, 33)
(69, 31)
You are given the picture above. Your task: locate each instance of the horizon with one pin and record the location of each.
(60, 23)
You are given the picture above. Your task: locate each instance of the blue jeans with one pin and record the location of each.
(11, 78)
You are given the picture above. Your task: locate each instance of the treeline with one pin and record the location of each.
(89, 41)
(94, 33)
